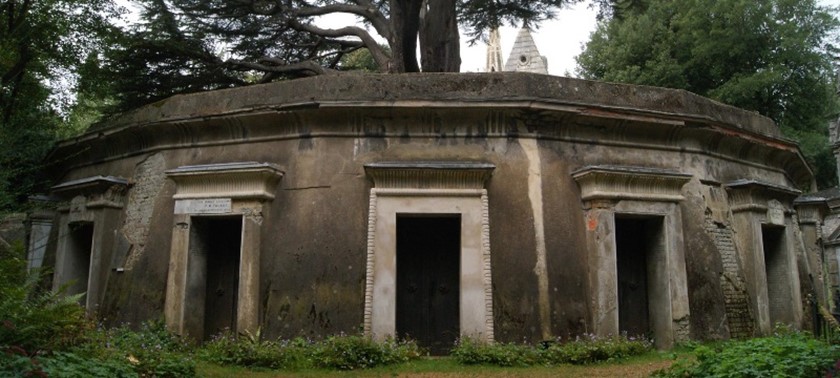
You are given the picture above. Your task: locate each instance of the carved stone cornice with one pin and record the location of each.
(241, 180)
(609, 182)
(488, 107)
(755, 195)
(429, 174)
(812, 208)
(92, 192)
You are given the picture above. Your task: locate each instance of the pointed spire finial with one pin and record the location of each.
(494, 52)
(524, 56)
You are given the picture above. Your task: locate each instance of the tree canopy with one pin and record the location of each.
(192, 45)
(772, 56)
(45, 45)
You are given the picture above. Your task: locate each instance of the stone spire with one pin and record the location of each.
(525, 57)
(494, 52)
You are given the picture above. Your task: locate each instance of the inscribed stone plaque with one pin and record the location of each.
(203, 206)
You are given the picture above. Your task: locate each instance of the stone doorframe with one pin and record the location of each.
(98, 201)
(755, 204)
(231, 189)
(429, 188)
(607, 191)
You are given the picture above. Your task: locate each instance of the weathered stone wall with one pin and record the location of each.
(535, 130)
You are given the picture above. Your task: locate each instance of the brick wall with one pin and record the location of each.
(148, 179)
(738, 314)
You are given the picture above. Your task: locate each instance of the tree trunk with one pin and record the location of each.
(405, 21)
(440, 49)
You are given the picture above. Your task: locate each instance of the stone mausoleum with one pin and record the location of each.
(502, 206)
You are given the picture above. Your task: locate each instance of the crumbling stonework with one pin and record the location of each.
(739, 318)
(148, 181)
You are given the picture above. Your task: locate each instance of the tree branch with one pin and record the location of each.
(364, 9)
(380, 55)
(306, 67)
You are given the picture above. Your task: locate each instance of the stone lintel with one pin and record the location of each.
(611, 182)
(87, 186)
(239, 180)
(91, 192)
(429, 174)
(754, 195)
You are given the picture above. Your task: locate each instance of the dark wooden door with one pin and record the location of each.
(223, 248)
(631, 256)
(428, 281)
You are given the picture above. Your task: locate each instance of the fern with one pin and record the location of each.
(33, 319)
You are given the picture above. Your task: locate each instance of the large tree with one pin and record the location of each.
(769, 56)
(44, 45)
(203, 44)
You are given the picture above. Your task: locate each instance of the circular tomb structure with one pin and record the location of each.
(502, 206)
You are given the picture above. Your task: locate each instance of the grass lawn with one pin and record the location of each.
(640, 366)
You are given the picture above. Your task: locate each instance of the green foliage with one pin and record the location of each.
(32, 319)
(227, 349)
(359, 60)
(68, 364)
(121, 352)
(358, 352)
(472, 352)
(162, 56)
(587, 350)
(25, 138)
(591, 349)
(336, 352)
(151, 350)
(45, 333)
(44, 47)
(772, 57)
(43, 40)
(184, 46)
(786, 354)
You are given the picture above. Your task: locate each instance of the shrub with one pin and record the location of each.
(786, 354)
(47, 333)
(358, 352)
(63, 364)
(227, 349)
(151, 350)
(471, 352)
(592, 349)
(32, 319)
(69, 364)
(337, 352)
(586, 350)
